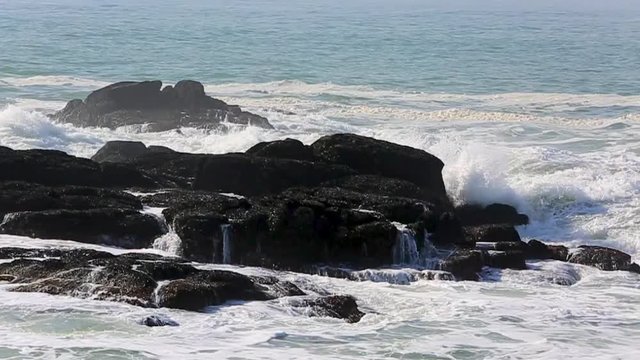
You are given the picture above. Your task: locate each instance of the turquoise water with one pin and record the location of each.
(460, 47)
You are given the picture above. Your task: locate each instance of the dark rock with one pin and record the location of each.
(370, 156)
(379, 185)
(133, 278)
(158, 320)
(254, 175)
(19, 196)
(122, 228)
(512, 259)
(50, 167)
(601, 257)
(336, 306)
(539, 250)
(145, 103)
(283, 149)
(464, 264)
(474, 215)
(492, 233)
(445, 229)
(120, 151)
(635, 268)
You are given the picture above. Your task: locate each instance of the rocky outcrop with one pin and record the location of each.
(55, 168)
(158, 109)
(117, 227)
(283, 149)
(601, 257)
(376, 157)
(153, 281)
(475, 215)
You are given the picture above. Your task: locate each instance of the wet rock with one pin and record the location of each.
(445, 229)
(464, 264)
(125, 151)
(539, 250)
(54, 168)
(376, 157)
(254, 175)
(336, 306)
(283, 149)
(512, 259)
(158, 320)
(603, 258)
(158, 109)
(635, 268)
(20, 196)
(474, 215)
(492, 233)
(134, 279)
(122, 228)
(379, 185)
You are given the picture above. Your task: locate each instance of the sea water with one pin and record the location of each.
(532, 104)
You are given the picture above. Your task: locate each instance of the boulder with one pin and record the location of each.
(539, 250)
(371, 156)
(603, 258)
(464, 264)
(158, 320)
(55, 168)
(511, 259)
(336, 306)
(474, 215)
(116, 227)
(158, 109)
(120, 151)
(492, 233)
(283, 149)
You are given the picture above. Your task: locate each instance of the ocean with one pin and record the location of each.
(534, 105)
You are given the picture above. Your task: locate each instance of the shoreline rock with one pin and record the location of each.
(159, 109)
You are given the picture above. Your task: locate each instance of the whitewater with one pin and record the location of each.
(532, 104)
(569, 161)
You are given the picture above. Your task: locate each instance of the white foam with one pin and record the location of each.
(52, 80)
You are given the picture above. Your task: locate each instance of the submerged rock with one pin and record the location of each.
(135, 279)
(159, 109)
(158, 320)
(601, 257)
(336, 306)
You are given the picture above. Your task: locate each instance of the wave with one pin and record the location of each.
(52, 80)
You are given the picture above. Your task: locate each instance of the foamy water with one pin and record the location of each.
(533, 104)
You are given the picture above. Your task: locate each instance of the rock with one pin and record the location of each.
(117, 227)
(20, 196)
(376, 157)
(539, 250)
(336, 306)
(120, 151)
(445, 230)
(464, 264)
(283, 149)
(55, 168)
(474, 215)
(512, 259)
(601, 257)
(635, 268)
(158, 320)
(492, 233)
(254, 175)
(379, 185)
(146, 103)
(133, 278)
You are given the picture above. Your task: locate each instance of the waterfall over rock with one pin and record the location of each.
(226, 230)
(405, 250)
